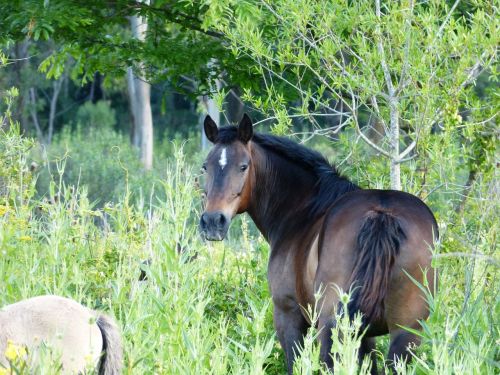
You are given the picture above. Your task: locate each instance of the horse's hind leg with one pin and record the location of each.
(326, 324)
(406, 303)
(367, 349)
(291, 327)
(407, 314)
(402, 342)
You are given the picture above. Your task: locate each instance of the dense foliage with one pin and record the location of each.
(95, 35)
(80, 217)
(205, 308)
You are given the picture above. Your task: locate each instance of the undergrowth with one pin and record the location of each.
(204, 308)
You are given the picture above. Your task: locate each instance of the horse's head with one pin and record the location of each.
(228, 171)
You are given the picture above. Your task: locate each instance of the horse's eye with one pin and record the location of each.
(243, 167)
(203, 168)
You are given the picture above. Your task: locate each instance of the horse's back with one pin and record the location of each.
(65, 325)
(349, 212)
(404, 206)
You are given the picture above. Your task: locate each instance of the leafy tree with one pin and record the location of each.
(403, 65)
(403, 69)
(95, 36)
(178, 43)
(140, 99)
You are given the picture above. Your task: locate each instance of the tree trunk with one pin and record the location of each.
(34, 115)
(53, 106)
(212, 110)
(145, 119)
(96, 93)
(394, 139)
(135, 134)
(201, 119)
(210, 106)
(234, 106)
(139, 93)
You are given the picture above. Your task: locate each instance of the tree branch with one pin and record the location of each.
(448, 16)
(380, 48)
(408, 149)
(406, 52)
(179, 18)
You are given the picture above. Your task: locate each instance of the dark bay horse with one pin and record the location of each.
(325, 233)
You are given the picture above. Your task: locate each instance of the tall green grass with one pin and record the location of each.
(206, 309)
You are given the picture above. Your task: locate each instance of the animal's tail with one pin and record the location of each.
(112, 357)
(377, 246)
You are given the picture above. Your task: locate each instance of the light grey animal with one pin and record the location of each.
(80, 335)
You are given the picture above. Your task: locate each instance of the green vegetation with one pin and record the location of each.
(395, 93)
(207, 308)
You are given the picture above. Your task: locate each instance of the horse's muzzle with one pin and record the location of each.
(214, 225)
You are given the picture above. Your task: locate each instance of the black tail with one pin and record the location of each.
(377, 246)
(112, 358)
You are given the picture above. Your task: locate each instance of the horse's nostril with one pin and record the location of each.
(222, 219)
(213, 221)
(203, 221)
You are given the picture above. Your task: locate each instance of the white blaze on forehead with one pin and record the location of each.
(223, 159)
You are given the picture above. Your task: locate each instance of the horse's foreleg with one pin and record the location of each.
(325, 325)
(291, 327)
(327, 308)
(367, 349)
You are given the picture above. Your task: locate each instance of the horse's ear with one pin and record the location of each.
(211, 130)
(245, 129)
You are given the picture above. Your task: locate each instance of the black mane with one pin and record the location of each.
(330, 183)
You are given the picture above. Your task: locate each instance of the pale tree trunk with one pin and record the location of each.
(234, 106)
(146, 119)
(210, 107)
(139, 93)
(394, 140)
(135, 134)
(212, 110)
(204, 140)
(393, 109)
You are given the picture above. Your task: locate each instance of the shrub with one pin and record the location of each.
(96, 115)
(100, 159)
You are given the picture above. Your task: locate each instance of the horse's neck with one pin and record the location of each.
(281, 192)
